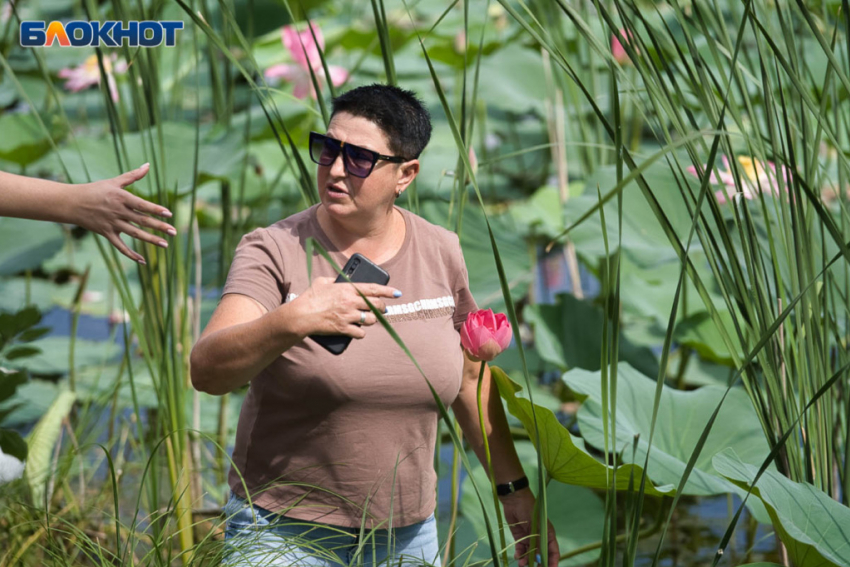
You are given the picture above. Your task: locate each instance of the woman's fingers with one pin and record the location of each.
(139, 234)
(368, 318)
(377, 302)
(149, 222)
(355, 332)
(116, 241)
(131, 177)
(554, 549)
(520, 551)
(377, 290)
(139, 204)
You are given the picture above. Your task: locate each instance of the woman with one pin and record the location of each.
(328, 443)
(103, 207)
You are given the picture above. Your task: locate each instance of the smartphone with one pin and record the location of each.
(359, 269)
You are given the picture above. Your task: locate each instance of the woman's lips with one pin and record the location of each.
(337, 192)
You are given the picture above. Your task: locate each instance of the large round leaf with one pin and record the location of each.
(26, 244)
(701, 333)
(24, 140)
(216, 158)
(682, 417)
(814, 528)
(101, 297)
(55, 353)
(644, 240)
(563, 456)
(29, 403)
(569, 335)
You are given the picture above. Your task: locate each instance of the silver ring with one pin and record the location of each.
(362, 317)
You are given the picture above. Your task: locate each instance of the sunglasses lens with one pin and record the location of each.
(323, 150)
(359, 161)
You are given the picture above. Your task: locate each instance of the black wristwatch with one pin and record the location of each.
(511, 487)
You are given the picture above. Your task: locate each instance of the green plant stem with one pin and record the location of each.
(455, 502)
(75, 319)
(490, 467)
(683, 366)
(619, 539)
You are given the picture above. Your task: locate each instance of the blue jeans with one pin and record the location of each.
(274, 540)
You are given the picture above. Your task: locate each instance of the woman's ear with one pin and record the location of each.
(407, 173)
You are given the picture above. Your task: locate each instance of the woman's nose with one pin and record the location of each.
(338, 167)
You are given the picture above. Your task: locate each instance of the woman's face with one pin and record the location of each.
(344, 195)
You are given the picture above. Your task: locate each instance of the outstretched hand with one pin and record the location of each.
(105, 207)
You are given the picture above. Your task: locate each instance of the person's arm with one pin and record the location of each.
(506, 463)
(243, 337)
(103, 207)
(519, 506)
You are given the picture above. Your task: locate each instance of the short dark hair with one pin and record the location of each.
(398, 112)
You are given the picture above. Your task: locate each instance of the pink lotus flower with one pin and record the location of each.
(485, 335)
(87, 74)
(617, 50)
(755, 178)
(305, 52)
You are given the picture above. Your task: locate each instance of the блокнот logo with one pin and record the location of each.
(80, 33)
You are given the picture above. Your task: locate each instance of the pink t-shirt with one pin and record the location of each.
(330, 438)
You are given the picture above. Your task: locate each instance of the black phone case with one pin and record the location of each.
(359, 269)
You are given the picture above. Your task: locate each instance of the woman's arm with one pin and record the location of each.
(506, 463)
(520, 506)
(243, 338)
(103, 207)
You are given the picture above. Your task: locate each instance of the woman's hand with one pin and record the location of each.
(519, 512)
(105, 207)
(327, 308)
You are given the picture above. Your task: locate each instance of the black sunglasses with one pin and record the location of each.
(358, 161)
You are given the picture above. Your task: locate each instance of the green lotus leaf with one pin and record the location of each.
(55, 352)
(564, 459)
(26, 244)
(813, 526)
(700, 333)
(216, 158)
(682, 417)
(29, 403)
(23, 140)
(569, 335)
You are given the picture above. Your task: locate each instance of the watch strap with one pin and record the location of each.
(511, 487)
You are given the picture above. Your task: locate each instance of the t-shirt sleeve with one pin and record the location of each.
(257, 270)
(464, 302)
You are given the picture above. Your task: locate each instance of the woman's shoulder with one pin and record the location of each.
(440, 244)
(426, 229)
